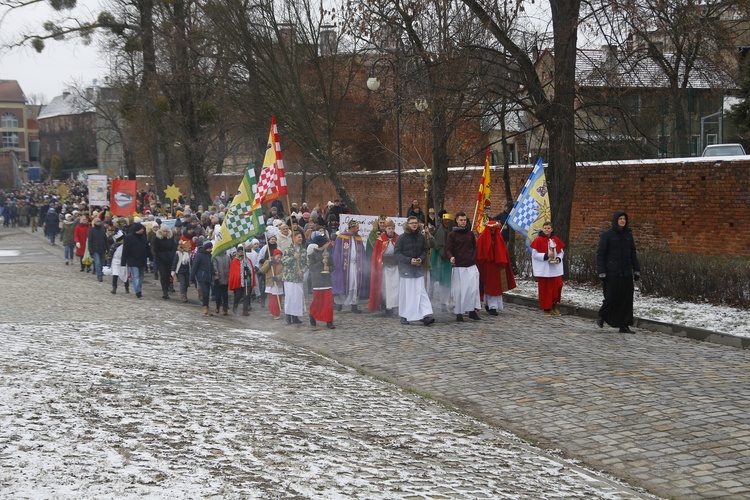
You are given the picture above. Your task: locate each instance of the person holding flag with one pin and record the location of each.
(243, 219)
(495, 272)
(481, 211)
(532, 207)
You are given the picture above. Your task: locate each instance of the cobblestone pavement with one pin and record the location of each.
(154, 398)
(108, 396)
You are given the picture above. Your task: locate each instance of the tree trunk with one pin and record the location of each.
(561, 174)
(439, 159)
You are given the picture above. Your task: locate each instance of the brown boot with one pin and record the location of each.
(218, 306)
(207, 311)
(224, 311)
(245, 312)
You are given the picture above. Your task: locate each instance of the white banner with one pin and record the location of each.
(366, 222)
(97, 185)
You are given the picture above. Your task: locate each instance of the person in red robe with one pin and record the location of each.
(495, 272)
(547, 253)
(384, 279)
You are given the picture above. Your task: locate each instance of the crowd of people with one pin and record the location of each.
(305, 253)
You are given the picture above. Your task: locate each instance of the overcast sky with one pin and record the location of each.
(60, 65)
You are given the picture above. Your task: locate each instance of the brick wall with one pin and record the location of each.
(684, 206)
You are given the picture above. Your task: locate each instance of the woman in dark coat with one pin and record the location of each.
(618, 266)
(164, 249)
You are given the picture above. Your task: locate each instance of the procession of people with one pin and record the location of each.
(314, 263)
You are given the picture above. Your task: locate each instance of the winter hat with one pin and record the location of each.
(68, 217)
(277, 252)
(320, 240)
(137, 220)
(208, 244)
(51, 210)
(254, 241)
(119, 235)
(137, 227)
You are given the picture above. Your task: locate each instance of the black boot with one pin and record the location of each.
(312, 321)
(355, 309)
(330, 325)
(114, 289)
(296, 320)
(473, 315)
(493, 312)
(460, 318)
(288, 318)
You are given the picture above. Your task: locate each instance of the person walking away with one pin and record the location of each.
(202, 272)
(274, 271)
(164, 248)
(67, 236)
(461, 249)
(411, 251)
(135, 254)
(295, 266)
(81, 237)
(181, 264)
(547, 252)
(119, 272)
(618, 267)
(97, 244)
(320, 265)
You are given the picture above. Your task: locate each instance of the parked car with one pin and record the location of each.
(724, 150)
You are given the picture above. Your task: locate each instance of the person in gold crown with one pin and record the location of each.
(441, 265)
(350, 268)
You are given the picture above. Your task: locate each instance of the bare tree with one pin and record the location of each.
(555, 111)
(296, 60)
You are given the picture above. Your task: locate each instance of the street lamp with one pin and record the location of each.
(374, 84)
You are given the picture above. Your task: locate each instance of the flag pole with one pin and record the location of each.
(473, 219)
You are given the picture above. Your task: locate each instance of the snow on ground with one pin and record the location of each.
(715, 318)
(179, 408)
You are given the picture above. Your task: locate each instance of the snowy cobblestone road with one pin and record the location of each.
(107, 396)
(181, 409)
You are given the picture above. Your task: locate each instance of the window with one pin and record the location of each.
(10, 140)
(712, 139)
(9, 120)
(694, 145)
(663, 146)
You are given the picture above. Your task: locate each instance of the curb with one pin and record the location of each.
(688, 332)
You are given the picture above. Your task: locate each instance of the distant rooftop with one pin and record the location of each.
(70, 103)
(10, 91)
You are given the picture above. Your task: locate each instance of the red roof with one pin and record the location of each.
(10, 91)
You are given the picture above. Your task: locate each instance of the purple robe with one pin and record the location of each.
(341, 256)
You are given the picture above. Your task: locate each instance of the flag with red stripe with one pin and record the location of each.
(483, 196)
(272, 178)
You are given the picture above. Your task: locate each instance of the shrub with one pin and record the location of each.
(682, 277)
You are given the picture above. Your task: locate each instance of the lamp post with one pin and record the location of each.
(374, 84)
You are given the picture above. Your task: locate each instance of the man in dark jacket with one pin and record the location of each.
(618, 266)
(411, 252)
(203, 273)
(135, 254)
(97, 245)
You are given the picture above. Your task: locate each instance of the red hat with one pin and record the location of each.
(277, 252)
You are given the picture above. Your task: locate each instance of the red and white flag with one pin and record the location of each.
(272, 179)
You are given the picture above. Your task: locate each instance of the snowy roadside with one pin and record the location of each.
(710, 317)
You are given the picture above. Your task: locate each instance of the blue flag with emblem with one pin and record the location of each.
(241, 222)
(532, 206)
